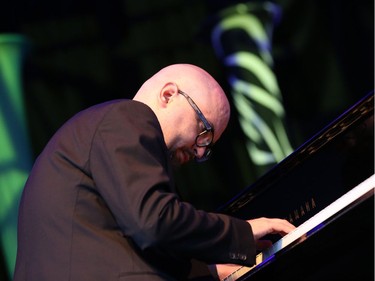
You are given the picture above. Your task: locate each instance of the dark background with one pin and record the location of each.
(79, 53)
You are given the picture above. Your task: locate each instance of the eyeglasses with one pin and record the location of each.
(205, 138)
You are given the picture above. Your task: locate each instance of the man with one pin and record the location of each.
(100, 202)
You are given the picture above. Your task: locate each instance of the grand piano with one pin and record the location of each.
(326, 189)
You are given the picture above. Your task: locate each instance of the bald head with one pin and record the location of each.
(160, 93)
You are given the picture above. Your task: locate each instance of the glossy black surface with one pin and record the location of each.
(331, 163)
(328, 165)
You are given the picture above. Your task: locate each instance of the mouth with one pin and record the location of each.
(182, 156)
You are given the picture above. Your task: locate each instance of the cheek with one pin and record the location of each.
(186, 132)
(190, 136)
(186, 139)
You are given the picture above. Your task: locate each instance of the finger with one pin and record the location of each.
(282, 227)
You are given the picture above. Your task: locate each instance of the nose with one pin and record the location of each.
(199, 151)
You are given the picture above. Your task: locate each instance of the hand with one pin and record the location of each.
(260, 227)
(263, 226)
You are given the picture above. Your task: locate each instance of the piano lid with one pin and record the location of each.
(342, 207)
(301, 188)
(332, 162)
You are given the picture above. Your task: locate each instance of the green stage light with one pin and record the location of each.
(15, 156)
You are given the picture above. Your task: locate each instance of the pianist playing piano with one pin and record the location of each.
(100, 202)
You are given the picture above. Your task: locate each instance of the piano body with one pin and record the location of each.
(326, 189)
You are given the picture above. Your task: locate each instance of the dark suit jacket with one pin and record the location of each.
(100, 204)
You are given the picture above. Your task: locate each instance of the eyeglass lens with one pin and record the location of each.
(204, 138)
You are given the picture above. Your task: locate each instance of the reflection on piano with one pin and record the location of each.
(326, 189)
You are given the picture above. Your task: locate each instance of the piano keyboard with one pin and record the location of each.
(308, 226)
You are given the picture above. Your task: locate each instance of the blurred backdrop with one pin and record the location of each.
(289, 68)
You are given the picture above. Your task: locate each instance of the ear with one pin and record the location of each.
(167, 93)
